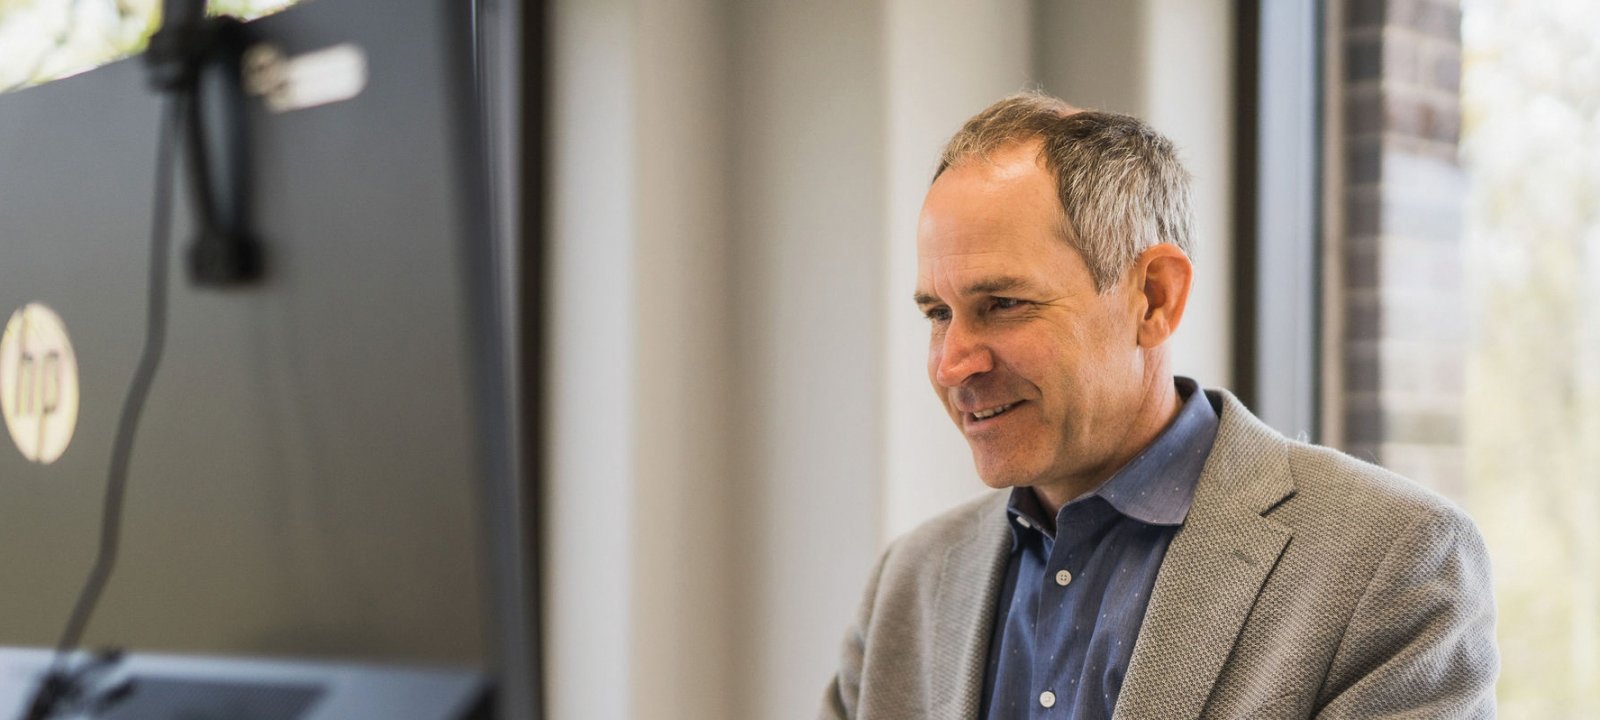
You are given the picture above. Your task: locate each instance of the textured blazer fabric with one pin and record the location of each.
(1304, 583)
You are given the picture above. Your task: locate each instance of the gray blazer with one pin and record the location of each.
(1304, 583)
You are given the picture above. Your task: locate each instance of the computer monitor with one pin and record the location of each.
(328, 463)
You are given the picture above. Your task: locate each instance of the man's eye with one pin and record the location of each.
(938, 314)
(1007, 303)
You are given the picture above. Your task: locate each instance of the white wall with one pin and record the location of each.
(739, 413)
(807, 194)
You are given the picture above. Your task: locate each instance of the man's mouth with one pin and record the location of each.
(994, 411)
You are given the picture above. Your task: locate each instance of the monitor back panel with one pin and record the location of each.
(304, 479)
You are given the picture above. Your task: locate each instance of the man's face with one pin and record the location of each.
(1041, 373)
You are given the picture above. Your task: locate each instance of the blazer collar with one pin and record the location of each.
(1213, 570)
(964, 609)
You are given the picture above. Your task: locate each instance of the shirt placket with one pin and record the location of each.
(1062, 635)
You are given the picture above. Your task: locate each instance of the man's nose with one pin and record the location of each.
(962, 354)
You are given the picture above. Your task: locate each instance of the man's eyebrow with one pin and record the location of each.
(991, 286)
(987, 286)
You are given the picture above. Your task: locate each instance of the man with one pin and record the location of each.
(1160, 553)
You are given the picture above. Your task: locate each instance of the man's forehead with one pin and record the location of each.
(978, 279)
(979, 222)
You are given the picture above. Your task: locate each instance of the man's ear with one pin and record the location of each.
(1162, 274)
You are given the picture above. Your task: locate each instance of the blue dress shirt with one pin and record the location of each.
(1070, 607)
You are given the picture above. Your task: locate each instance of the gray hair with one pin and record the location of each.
(1121, 186)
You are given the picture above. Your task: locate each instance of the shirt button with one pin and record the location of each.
(1062, 578)
(1047, 699)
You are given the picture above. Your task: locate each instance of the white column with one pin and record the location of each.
(588, 555)
(806, 193)
(684, 405)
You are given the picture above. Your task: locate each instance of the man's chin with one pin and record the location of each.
(1004, 478)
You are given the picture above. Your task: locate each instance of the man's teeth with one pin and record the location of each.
(991, 412)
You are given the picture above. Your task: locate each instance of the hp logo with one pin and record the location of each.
(38, 383)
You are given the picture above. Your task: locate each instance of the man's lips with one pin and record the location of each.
(986, 414)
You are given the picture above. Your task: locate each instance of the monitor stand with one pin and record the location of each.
(178, 687)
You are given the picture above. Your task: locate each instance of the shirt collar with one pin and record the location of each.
(1157, 487)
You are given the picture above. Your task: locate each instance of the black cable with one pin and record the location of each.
(138, 389)
(58, 680)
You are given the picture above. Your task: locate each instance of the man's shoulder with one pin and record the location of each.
(1331, 490)
(1334, 490)
(1332, 475)
(956, 524)
(923, 548)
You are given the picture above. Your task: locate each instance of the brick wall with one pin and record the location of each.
(1403, 342)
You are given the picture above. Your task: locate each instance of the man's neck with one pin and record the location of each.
(1161, 405)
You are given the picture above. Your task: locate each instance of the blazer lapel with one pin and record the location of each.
(1212, 573)
(963, 616)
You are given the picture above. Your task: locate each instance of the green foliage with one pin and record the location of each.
(1531, 139)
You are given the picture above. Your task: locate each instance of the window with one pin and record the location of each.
(1530, 142)
(49, 39)
(1463, 252)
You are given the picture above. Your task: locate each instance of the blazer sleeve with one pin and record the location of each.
(842, 699)
(1421, 640)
